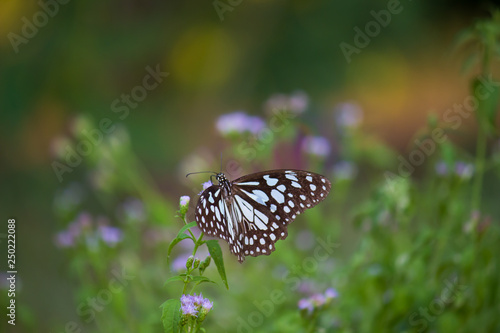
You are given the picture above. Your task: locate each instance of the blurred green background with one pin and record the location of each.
(89, 53)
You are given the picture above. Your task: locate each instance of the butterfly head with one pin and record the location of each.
(221, 178)
(224, 183)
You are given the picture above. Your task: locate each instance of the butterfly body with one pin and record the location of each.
(252, 212)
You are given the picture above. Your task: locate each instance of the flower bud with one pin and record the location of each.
(189, 262)
(184, 205)
(204, 264)
(196, 263)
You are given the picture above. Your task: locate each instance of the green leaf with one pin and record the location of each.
(216, 253)
(469, 62)
(171, 316)
(462, 38)
(186, 227)
(173, 278)
(199, 279)
(174, 242)
(487, 95)
(180, 236)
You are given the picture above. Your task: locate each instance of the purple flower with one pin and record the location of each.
(206, 304)
(331, 293)
(295, 103)
(464, 170)
(198, 299)
(305, 304)
(306, 287)
(316, 145)
(64, 239)
(255, 125)
(205, 186)
(186, 299)
(192, 305)
(184, 201)
(68, 237)
(345, 170)
(318, 300)
(110, 235)
(298, 102)
(441, 168)
(189, 309)
(239, 122)
(348, 115)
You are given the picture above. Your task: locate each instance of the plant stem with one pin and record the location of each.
(480, 160)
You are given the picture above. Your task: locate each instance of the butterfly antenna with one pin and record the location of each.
(193, 173)
(221, 162)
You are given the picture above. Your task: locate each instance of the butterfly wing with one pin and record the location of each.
(210, 213)
(269, 201)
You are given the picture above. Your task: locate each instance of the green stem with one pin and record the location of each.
(480, 161)
(481, 134)
(312, 324)
(197, 243)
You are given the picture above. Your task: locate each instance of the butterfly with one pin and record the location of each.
(252, 212)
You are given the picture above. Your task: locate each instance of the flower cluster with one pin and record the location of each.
(348, 115)
(316, 301)
(296, 103)
(184, 205)
(83, 229)
(239, 122)
(205, 186)
(316, 145)
(461, 169)
(193, 306)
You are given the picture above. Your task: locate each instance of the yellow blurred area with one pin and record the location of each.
(37, 132)
(397, 94)
(203, 56)
(11, 12)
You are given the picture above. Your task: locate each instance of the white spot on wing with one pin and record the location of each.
(245, 208)
(249, 183)
(257, 195)
(280, 198)
(270, 181)
(260, 220)
(291, 177)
